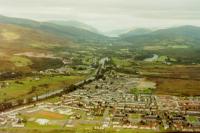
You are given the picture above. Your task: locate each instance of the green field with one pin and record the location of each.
(20, 61)
(135, 116)
(31, 86)
(121, 62)
(72, 130)
(192, 119)
(142, 91)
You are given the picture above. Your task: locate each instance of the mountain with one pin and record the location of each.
(16, 38)
(180, 43)
(127, 32)
(136, 32)
(183, 35)
(77, 34)
(75, 24)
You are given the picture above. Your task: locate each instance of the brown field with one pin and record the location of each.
(177, 87)
(48, 115)
(174, 71)
(174, 80)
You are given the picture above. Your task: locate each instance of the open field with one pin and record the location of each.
(121, 62)
(28, 64)
(20, 61)
(70, 130)
(30, 86)
(165, 47)
(175, 79)
(179, 87)
(45, 115)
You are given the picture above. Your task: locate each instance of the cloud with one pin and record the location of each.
(108, 14)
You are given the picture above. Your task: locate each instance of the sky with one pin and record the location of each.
(107, 15)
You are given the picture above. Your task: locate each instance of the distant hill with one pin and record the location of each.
(75, 24)
(136, 32)
(184, 35)
(17, 37)
(181, 43)
(19, 46)
(77, 34)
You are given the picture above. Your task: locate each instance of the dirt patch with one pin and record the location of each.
(49, 115)
(142, 83)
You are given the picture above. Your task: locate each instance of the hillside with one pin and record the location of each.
(75, 24)
(15, 41)
(77, 34)
(136, 32)
(181, 43)
(187, 35)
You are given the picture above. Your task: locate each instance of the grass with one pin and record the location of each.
(154, 47)
(179, 46)
(121, 62)
(38, 126)
(36, 130)
(135, 116)
(133, 131)
(179, 80)
(24, 87)
(53, 100)
(141, 91)
(45, 115)
(192, 119)
(20, 61)
(43, 45)
(87, 60)
(57, 119)
(9, 35)
(72, 130)
(179, 87)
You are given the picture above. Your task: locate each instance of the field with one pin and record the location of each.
(179, 87)
(121, 62)
(192, 119)
(70, 130)
(165, 47)
(175, 79)
(45, 115)
(9, 36)
(55, 119)
(35, 85)
(20, 61)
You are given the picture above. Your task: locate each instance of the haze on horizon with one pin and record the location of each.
(107, 15)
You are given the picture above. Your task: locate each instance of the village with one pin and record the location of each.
(109, 102)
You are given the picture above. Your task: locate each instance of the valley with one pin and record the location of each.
(59, 76)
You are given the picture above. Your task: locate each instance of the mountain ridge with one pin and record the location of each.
(77, 34)
(76, 24)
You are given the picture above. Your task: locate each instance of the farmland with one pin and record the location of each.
(174, 80)
(35, 85)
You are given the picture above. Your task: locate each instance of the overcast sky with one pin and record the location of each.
(108, 14)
